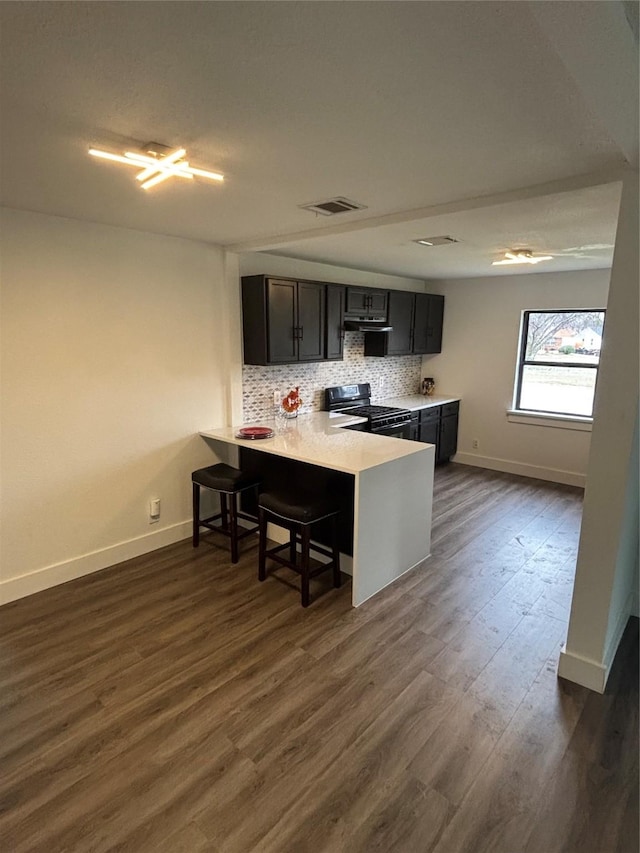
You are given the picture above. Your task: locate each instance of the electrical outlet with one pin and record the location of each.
(475, 444)
(154, 510)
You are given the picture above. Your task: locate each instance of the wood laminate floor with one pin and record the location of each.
(173, 703)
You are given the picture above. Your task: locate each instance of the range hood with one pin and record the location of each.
(367, 326)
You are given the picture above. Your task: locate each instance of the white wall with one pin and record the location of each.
(480, 345)
(115, 352)
(605, 591)
(259, 263)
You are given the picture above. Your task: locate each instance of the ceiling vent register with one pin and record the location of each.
(332, 206)
(443, 240)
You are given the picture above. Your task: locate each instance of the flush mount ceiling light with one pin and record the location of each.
(521, 256)
(158, 164)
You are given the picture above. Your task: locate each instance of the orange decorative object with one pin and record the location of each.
(292, 402)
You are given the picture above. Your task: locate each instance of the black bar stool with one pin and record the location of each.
(229, 482)
(297, 515)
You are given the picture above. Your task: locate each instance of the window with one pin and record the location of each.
(558, 362)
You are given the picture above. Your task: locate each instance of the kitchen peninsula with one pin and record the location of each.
(385, 487)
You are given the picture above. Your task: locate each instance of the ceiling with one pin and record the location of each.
(475, 119)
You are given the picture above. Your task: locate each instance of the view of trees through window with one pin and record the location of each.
(558, 364)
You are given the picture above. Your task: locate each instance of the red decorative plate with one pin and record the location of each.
(255, 432)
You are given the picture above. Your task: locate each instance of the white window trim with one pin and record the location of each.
(547, 419)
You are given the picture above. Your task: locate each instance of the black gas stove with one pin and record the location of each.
(356, 400)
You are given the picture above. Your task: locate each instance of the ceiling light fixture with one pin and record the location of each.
(521, 256)
(158, 166)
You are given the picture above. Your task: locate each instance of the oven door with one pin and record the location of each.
(397, 431)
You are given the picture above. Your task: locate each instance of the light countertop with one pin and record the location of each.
(417, 401)
(317, 438)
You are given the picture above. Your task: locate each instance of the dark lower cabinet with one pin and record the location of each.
(448, 438)
(439, 425)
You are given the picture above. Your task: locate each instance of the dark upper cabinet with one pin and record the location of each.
(421, 323)
(401, 306)
(429, 314)
(366, 303)
(434, 324)
(417, 326)
(283, 320)
(336, 297)
(281, 337)
(310, 325)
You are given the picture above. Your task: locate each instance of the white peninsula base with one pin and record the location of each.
(392, 490)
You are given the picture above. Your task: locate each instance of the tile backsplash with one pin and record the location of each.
(389, 377)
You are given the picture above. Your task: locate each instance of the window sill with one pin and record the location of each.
(547, 420)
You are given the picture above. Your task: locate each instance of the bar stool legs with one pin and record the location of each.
(229, 483)
(299, 532)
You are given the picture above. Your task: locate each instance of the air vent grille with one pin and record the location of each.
(436, 241)
(332, 206)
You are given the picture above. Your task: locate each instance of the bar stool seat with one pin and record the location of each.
(229, 482)
(297, 513)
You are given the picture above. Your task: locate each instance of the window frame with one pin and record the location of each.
(524, 362)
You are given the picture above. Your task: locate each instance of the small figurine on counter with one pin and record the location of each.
(291, 403)
(428, 386)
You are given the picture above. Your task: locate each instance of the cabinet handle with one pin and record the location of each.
(300, 332)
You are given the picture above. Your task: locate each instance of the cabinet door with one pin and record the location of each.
(434, 325)
(421, 323)
(378, 302)
(282, 321)
(364, 302)
(335, 322)
(310, 325)
(429, 433)
(448, 443)
(357, 301)
(401, 318)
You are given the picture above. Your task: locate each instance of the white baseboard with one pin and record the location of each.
(584, 671)
(554, 475)
(592, 673)
(49, 576)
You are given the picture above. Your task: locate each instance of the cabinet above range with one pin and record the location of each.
(416, 326)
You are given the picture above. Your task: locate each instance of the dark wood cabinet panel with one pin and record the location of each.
(439, 426)
(448, 438)
(400, 317)
(310, 321)
(401, 307)
(429, 315)
(434, 325)
(416, 319)
(366, 302)
(421, 323)
(336, 297)
(283, 320)
(429, 431)
(378, 301)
